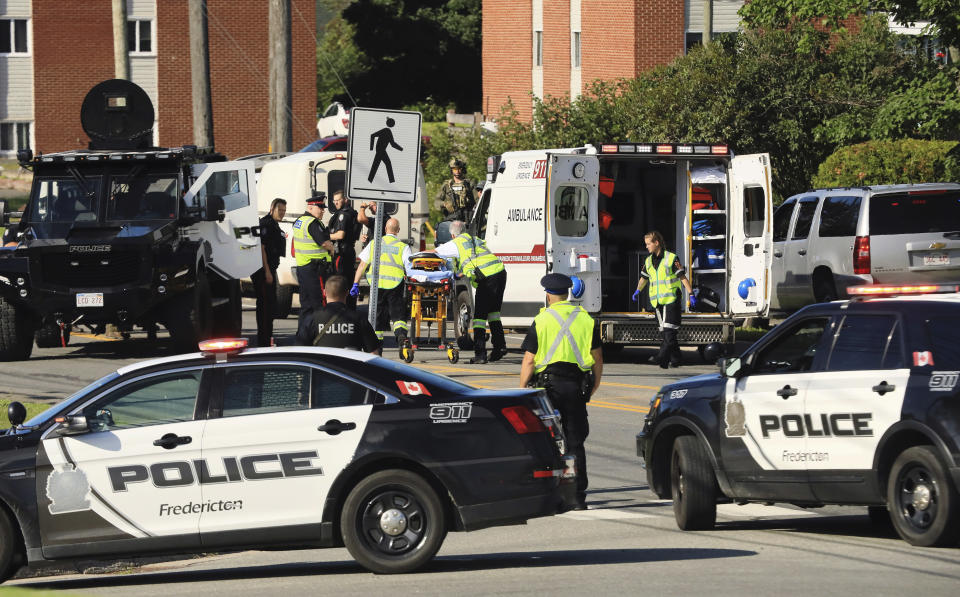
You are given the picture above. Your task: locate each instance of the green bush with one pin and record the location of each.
(889, 162)
(431, 111)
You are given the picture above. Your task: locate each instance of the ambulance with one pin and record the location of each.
(583, 211)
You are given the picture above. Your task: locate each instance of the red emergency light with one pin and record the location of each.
(892, 290)
(223, 346)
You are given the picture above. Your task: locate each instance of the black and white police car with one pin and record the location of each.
(851, 402)
(275, 448)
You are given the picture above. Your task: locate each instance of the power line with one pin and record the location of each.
(329, 64)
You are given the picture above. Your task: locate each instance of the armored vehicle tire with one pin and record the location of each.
(16, 333)
(284, 300)
(228, 316)
(924, 504)
(48, 336)
(693, 485)
(189, 317)
(393, 522)
(8, 547)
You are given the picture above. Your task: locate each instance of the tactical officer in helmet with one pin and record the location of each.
(336, 325)
(455, 200)
(313, 250)
(562, 353)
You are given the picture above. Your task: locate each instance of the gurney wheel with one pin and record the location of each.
(406, 351)
(453, 355)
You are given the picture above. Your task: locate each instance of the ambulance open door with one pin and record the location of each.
(572, 233)
(750, 235)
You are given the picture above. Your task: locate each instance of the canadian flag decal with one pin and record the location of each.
(921, 359)
(412, 388)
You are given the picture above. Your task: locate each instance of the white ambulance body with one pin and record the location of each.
(584, 212)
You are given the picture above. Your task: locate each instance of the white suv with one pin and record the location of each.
(827, 240)
(335, 121)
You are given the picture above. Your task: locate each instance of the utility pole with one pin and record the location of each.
(707, 21)
(121, 58)
(280, 81)
(200, 75)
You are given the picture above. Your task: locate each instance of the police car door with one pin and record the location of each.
(855, 400)
(573, 238)
(132, 476)
(234, 242)
(763, 440)
(280, 433)
(750, 213)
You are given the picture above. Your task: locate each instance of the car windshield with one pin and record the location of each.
(904, 213)
(65, 199)
(140, 195)
(56, 409)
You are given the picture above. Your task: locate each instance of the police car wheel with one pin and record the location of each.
(8, 547)
(693, 485)
(393, 522)
(924, 504)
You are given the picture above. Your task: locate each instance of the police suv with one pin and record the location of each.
(279, 448)
(851, 402)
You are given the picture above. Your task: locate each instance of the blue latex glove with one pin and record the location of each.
(693, 301)
(355, 289)
(636, 295)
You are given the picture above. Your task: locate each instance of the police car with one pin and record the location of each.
(281, 448)
(851, 402)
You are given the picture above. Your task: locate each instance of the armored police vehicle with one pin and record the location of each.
(128, 234)
(852, 402)
(275, 448)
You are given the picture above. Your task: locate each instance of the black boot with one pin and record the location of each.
(479, 347)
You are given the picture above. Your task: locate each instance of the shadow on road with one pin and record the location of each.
(441, 564)
(843, 525)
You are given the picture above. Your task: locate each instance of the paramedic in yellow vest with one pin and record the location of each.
(313, 251)
(664, 274)
(562, 353)
(394, 256)
(487, 274)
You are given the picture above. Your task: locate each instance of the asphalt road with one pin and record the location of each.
(627, 543)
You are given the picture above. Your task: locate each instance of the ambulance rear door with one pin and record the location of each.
(751, 237)
(572, 233)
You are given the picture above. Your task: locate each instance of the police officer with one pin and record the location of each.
(455, 200)
(489, 277)
(343, 233)
(663, 271)
(562, 353)
(336, 325)
(394, 255)
(311, 243)
(272, 248)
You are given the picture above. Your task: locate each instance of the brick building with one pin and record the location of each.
(52, 53)
(557, 47)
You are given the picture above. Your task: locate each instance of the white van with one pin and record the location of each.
(295, 178)
(584, 211)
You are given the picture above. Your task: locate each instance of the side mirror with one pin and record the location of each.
(3, 212)
(731, 367)
(73, 424)
(214, 210)
(16, 413)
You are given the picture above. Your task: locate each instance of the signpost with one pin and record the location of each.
(382, 165)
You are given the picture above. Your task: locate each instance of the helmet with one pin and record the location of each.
(578, 287)
(743, 289)
(458, 163)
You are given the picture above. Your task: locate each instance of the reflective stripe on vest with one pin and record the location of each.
(564, 335)
(472, 253)
(391, 262)
(664, 282)
(304, 246)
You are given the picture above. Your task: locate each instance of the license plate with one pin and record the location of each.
(936, 259)
(90, 299)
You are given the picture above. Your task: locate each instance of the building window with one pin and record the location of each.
(14, 136)
(13, 36)
(140, 36)
(538, 48)
(693, 40)
(576, 49)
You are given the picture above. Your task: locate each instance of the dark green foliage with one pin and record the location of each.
(889, 162)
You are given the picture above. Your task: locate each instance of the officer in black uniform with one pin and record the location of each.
(343, 233)
(336, 325)
(272, 248)
(562, 353)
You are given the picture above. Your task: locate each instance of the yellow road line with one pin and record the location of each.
(615, 406)
(93, 337)
(517, 374)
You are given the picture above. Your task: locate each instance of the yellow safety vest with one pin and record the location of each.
(664, 282)
(391, 262)
(304, 246)
(564, 335)
(472, 254)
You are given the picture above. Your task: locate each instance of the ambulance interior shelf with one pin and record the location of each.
(708, 230)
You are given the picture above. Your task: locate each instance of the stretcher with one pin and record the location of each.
(430, 285)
